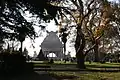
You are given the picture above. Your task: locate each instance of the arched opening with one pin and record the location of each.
(51, 55)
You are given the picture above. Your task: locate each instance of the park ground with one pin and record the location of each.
(95, 71)
(69, 75)
(86, 75)
(68, 71)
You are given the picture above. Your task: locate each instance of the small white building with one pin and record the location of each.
(52, 45)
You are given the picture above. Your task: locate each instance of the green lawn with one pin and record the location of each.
(94, 64)
(85, 75)
(73, 65)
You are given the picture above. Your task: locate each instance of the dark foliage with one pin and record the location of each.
(14, 64)
(40, 6)
(12, 20)
(51, 61)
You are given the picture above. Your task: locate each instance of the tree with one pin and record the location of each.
(63, 35)
(13, 24)
(25, 52)
(82, 15)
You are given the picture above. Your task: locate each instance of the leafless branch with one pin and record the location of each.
(75, 3)
(89, 49)
(81, 6)
(91, 22)
(89, 9)
(70, 14)
(93, 45)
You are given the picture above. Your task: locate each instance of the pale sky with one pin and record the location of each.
(114, 0)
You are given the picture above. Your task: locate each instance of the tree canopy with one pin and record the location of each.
(12, 22)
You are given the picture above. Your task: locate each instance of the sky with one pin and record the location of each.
(50, 27)
(114, 0)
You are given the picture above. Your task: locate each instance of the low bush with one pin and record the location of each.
(14, 63)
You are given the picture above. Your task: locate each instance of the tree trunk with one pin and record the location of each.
(21, 47)
(96, 52)
(80, 60)
(64, 48)
(64, 52)
(79, 47)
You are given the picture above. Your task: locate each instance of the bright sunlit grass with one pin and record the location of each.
(95, 64)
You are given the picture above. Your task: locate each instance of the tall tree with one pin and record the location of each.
(63, 36)
(13, 24)
(92, 18)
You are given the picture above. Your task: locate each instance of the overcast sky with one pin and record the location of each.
(114, 0)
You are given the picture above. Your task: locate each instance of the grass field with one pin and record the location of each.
(93, 65)
(85, 75)
(72, 75)
(87, 63)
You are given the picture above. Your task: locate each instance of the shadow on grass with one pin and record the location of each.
(62, 77)
(28, 76)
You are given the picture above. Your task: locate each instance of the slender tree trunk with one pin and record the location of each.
(64, 48)
(96, 52)
(65, 52)
(21, 47)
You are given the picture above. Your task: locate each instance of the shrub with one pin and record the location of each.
(14, 63)
(51, 61)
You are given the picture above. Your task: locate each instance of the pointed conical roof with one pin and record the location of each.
(51, 41)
